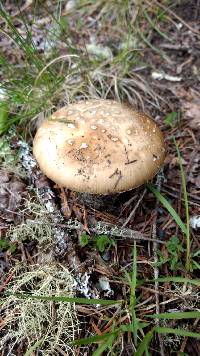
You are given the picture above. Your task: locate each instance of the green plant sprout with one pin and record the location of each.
(171, 119)
(101, 242)
(175, 250)
(6, 245)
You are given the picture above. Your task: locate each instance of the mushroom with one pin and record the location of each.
(99, 147)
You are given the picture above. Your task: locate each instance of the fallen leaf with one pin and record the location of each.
(192, 112)
(12, 194)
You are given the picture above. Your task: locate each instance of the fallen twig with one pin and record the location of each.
(134, 209)
(102, 227)
(7, 280)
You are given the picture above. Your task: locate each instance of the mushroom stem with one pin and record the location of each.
(98, 202)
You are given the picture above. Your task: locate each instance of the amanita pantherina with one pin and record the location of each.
(99, 147)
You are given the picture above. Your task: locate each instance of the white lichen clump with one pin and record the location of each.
(51, 324)
(195, 222)
(38, 228)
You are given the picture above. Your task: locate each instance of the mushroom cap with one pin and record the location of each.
(99, 146)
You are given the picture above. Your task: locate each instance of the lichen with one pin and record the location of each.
(54, 324)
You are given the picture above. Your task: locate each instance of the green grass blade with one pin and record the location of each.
(4, 111)
(184, 188)
(152, 23)
(144, 343)
(31, 350)
(148, 43)
(106, 345)
(93, 339)
(28, 47)
(129, 328)
(165, 330)
(176, 315)
(195, 282)
(97, 338)
(162, 330)
(132, 294)
(168, 206)
(66, 299)
(195, 264)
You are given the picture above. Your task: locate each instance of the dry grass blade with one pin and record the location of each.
(173, 14)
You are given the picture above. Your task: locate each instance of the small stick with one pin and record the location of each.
(101, 228)
(7, 280)
(134, 209)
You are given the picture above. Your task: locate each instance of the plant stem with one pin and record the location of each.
(186, 203)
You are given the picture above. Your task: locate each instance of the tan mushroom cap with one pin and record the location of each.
(99, 146)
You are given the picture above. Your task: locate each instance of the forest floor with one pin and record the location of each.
(117, 275)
